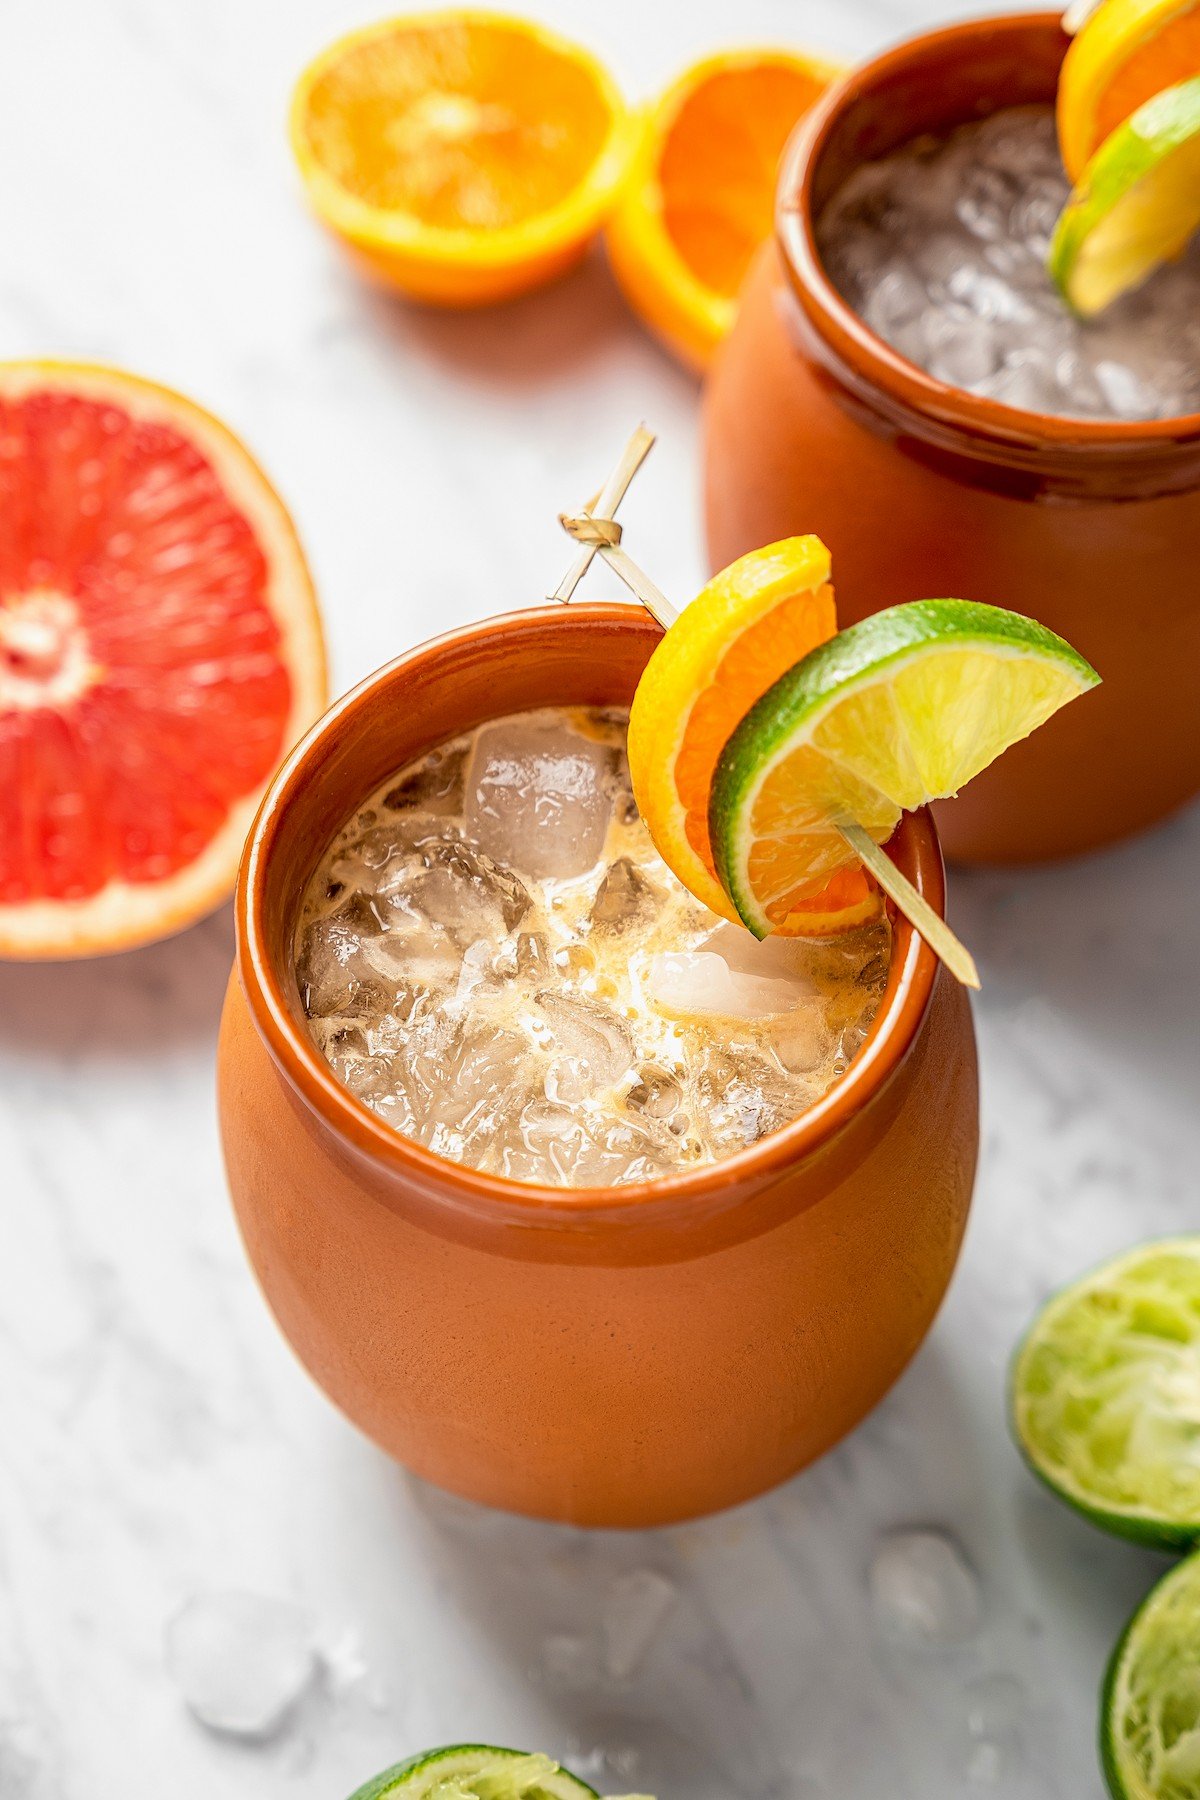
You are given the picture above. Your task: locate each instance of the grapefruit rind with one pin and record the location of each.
(125, 915)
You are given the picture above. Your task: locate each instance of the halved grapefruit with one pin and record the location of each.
(160, 651)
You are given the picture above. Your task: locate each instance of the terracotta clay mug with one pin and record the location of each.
(922, 490)
(611, 1356)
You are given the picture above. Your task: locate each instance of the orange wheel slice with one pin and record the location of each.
(748, 627)
(1125, 53)
(462, 156)
(701, 195)
(160, 650)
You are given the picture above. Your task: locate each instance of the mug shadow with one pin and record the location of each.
(129, 1005)
(524, 344)
(710, 1657)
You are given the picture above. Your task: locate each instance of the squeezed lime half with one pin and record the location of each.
(478, 1772)
(1105, 1395)
(1150, 1712)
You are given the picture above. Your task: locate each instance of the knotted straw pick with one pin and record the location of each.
(596, 531)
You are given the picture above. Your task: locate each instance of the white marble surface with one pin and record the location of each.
(158, 1440)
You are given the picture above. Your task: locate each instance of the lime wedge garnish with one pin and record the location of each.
(905, 707)
(476, 1772)
(1105, 1394)
(1136, 205)
(1150, 1719)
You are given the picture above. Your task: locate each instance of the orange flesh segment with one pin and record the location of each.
(756, 659)
(797, 854)
(718, 166)
(124, 558)
(748, 668)
(1170, 55)
(463, 125)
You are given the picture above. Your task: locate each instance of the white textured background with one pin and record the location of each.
(156, 1439)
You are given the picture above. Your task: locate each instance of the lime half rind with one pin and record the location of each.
(905, 707)
(1105, 1395)
(1136, 205)
(475, 1772)
(1150, 1705)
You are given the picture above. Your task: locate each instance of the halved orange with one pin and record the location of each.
(749, 626)
(160, 650)
(463, 156)
(701, 195)
(1125, 53)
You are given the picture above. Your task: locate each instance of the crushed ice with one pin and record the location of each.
(496, 961)
(941, 248)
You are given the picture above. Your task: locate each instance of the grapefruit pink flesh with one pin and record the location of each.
(149, 681)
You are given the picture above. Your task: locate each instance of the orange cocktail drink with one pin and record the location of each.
(657, 1342)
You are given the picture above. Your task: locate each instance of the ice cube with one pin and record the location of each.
(634, 1610)
(1127, 398)
(331, 967)
(894, 300)
(924, 1593)
(241, 1661)
(471, 1095)
(741, 1097)
(699, 983)
(539, 797)
(655, 1095)
(984, 202)
(1026, 381)
(464, 892)
(961, 348)
(595, 1038)
(788, 958)
(802, 1040)
(433, 786)
(564, 1144)
(625, 897)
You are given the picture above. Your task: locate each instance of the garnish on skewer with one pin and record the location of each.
(1128, 112)
(901, 709)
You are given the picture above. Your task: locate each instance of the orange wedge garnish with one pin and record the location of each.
(749, 626)
(699, 201)
(1126, 52)
(462, 156)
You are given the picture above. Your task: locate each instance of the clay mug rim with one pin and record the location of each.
(908, 397)
(498, 1200)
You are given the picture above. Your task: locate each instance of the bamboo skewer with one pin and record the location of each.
(598, 533)
(916, 909)
(604, 506)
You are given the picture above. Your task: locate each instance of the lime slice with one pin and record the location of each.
(1105, 1394)
(1150, 1711)
(1136, 205)
(476, 1772)
(902, 708)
